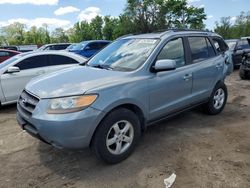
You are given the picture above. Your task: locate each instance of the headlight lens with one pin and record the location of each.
(70, 104)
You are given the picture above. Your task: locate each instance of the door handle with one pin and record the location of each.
(187, 77)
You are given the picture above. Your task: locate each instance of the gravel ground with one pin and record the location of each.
(203, 151)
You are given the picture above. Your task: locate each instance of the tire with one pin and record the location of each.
(122, 142)
(242, 73)
(217, 100)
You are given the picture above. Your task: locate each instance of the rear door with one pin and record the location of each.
(14, 83)
(207, 67)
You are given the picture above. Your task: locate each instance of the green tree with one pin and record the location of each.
(59, 36)
(223, 28)
(234, 28)
(14, 33)
(81, 31)
(96, 27)
(152, 15)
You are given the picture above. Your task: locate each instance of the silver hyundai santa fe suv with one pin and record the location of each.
(132, 83)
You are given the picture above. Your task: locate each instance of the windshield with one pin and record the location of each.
(70, 47)
(78, 46)
(231, 44)
(124, 54)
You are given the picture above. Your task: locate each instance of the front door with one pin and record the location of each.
(170, 90)
(14, 83)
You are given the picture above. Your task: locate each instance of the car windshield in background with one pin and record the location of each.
(231, 44)
(71, 47)
(78, 46)
(124, 54)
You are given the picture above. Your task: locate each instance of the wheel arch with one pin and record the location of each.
(130, 106)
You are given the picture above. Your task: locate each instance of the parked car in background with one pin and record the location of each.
(236, 49)
(6, 54)
(21, 48)
(17, 71)
(27, 48)
(245, 66)
(132, 83)
(14, 48)
(57, 46)
(89, 48)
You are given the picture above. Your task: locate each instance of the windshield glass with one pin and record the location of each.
(124, 54)
(70, 47)
(231, 44)
(78, 46)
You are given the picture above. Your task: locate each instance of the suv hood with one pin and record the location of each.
(72, 81)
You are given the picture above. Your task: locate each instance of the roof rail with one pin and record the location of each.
(181, 30)
(199, 30)
(123, 36)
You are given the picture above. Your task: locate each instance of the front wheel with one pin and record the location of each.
(217, 100)
(116, 136)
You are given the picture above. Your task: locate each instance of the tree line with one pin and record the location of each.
(234, 27)
(139, 16)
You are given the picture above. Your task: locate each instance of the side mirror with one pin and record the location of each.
(164, 65)
(13, 70)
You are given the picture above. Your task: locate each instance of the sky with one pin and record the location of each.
(64, 13)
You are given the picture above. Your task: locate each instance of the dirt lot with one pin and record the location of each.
(203, 151)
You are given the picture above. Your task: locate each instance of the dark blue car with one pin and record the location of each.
(89, 48)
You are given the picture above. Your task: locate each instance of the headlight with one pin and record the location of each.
(70, 104)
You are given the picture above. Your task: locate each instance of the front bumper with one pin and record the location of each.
(69, 131)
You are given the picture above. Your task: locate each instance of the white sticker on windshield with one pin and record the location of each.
(147, 41)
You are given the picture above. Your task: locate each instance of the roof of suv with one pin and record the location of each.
(167, 33)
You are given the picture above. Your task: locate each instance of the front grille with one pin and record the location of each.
(26, 104)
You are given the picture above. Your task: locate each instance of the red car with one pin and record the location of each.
(6, 54)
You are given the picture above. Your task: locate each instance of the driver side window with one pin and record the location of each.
(173, 50)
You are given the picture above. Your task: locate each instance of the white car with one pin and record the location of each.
(17, 71)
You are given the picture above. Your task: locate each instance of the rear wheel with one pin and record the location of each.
(116, 136)
(217, 100)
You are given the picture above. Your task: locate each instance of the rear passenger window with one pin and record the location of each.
(60, 60)
(220, 44)
(32, 62)
(173, 50)
(201, 49)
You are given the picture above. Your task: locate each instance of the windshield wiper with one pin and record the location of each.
(107, 67)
